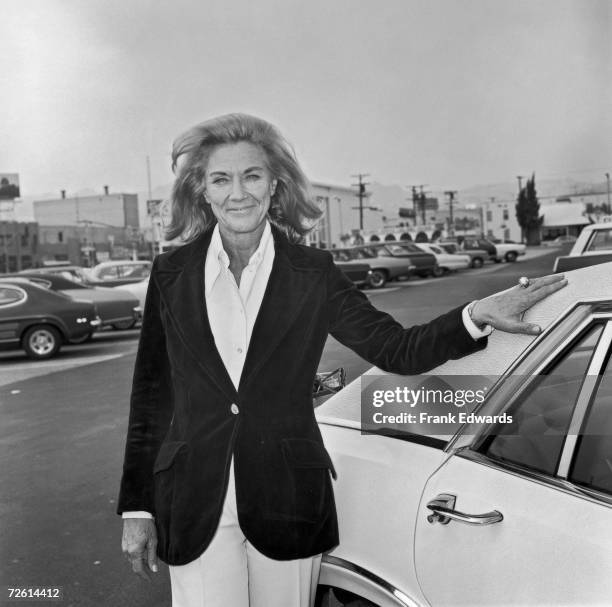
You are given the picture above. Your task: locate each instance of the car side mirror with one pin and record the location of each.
(329, 382)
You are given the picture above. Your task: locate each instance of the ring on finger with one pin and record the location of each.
(524, 282)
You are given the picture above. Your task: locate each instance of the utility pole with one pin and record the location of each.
(609, 209)
(361, 193)
(418, 200)
(152, 216)
(520, 182)
(451, 222)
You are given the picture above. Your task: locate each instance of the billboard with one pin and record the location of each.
(9, 186)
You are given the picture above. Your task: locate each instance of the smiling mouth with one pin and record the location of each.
(241, 209)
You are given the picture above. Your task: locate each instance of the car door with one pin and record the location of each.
(530, 501)
(12, 300)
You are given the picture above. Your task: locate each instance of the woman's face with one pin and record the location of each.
(238, 187)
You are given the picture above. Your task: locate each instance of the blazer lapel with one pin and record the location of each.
(288, 286)
(182, 288)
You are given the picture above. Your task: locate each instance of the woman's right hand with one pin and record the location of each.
(139, 544)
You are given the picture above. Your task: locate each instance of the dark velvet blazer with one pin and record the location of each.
(183, 429)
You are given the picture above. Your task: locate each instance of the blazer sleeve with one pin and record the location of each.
(381, 340)
(151, 407)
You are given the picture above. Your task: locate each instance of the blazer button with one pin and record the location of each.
(234, 409)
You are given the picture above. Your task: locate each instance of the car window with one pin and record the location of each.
(601, 240)
(394, 249)
(10, 296)
(541, 414)
(592, 465)
(108, 273)
(134, 271)
(366, 253)
(435, 249)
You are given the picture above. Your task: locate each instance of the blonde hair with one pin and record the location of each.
(291, 208)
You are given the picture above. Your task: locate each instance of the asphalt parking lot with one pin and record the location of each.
(63, 433)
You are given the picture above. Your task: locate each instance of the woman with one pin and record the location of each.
(225, 475)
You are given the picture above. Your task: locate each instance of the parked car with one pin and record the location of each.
(446, 262)
(384, 268)
(39, 320)
(424, 262)
(497, 252)
(559, 241)
(119, 272)
(137, 289)
(76, 273)
(117, 309)
(359, 273)
(477, 256)
(503, 512)
(593, 246)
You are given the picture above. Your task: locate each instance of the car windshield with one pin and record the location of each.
(365, 253)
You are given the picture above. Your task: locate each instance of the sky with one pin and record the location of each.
(448, 93)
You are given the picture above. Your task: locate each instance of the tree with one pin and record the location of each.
(528, 213)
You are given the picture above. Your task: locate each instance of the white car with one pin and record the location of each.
(447, 262)
(138, 289)
(593, 246)
(498, 513)
(116, 273)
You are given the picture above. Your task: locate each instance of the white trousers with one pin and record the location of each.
(232, 573)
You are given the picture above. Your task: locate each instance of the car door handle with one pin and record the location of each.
(443, 511)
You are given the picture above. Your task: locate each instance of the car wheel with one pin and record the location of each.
(378, 279)
(123, 325)
(477, 262)
(497, 260)
(511, 256)
(81, 340)
(438, 271)
(41, 342)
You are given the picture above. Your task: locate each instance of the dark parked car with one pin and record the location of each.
(118, 309)
(40, 320)
(359, 273)
(383, 268)
(425, 264)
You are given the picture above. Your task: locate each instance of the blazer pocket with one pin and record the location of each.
(167, 454)
(307, 453)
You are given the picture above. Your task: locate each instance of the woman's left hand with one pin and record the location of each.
(504, 310)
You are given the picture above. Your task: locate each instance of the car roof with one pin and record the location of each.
(57, 280)
(601, 224)
(121, 262)
(584, 285)
(593, 282)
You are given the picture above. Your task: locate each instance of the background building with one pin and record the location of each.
(86, 230)
(563, 218)
(340, 221)
(18, 245)
(499, 221)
